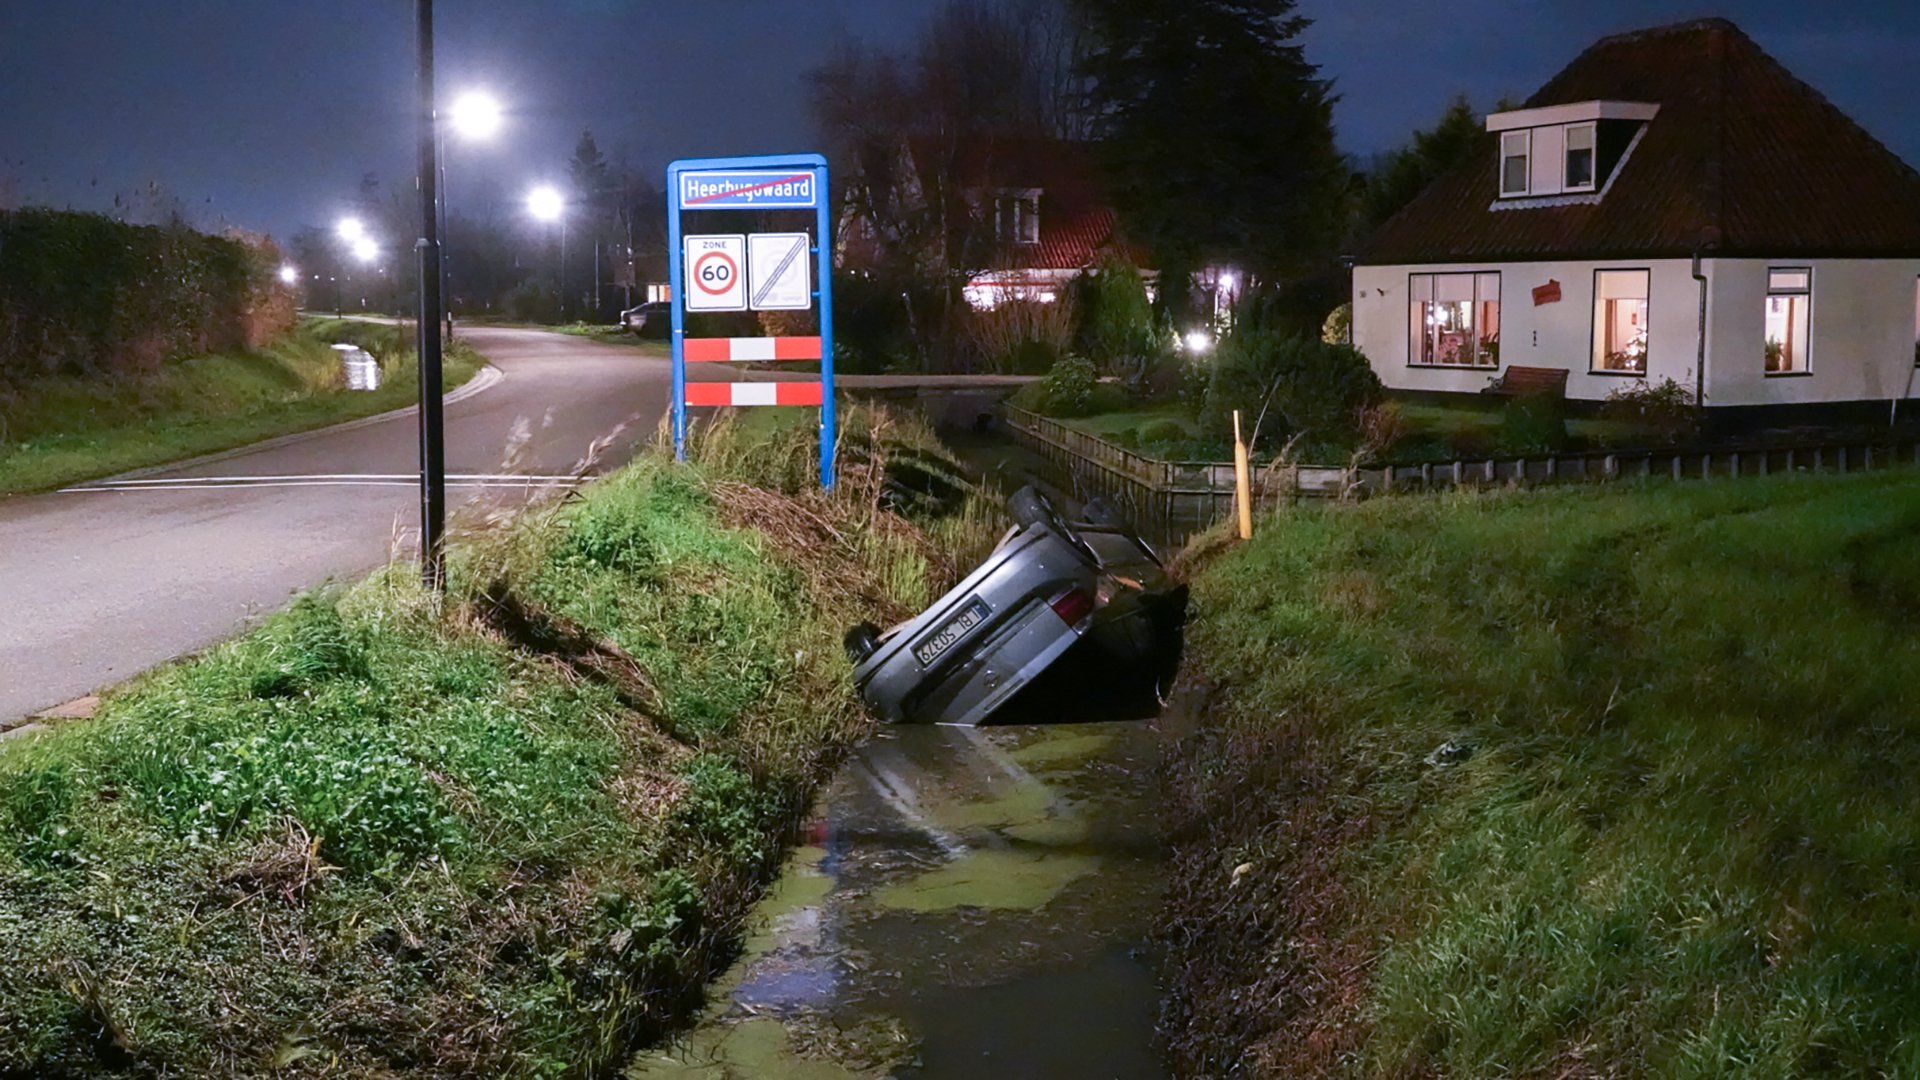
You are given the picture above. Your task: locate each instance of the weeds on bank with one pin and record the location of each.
(62, 430)
(504, 833)
(1563, 784)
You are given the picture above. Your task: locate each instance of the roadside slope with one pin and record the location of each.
(1557, 784)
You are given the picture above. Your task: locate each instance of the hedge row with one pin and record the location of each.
(84, 294)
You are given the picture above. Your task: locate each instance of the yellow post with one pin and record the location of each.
(1242, 488)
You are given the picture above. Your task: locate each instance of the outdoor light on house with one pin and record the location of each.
(1198, 341)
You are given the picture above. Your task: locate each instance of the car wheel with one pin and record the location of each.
(860, 642)
(1029, 509)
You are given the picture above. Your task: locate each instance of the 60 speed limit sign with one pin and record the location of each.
(716, 273)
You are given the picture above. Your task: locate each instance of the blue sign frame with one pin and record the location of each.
(776, 182)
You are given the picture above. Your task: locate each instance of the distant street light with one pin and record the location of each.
(289, 274)
(546, 204)
(475, 115)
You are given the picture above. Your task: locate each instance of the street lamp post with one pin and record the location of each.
(433, 450)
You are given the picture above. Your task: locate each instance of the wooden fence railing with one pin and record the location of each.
(1170, 500)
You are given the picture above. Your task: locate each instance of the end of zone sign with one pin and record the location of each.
(749, 189)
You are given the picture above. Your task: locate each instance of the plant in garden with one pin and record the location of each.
(1533, 424)
(1666, 409)
(1287, 386)
(1068, 388)
(1118, 331)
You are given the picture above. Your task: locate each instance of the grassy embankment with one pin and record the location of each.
(502, 835)
(59, 431)
(1560, 784)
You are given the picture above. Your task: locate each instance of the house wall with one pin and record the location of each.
(1551, 335)
(1861, 342)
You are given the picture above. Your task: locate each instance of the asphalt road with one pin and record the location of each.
(99, 584)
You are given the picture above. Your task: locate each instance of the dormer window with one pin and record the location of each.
(1016, 215)
(1565, 149)
(1515, 147)
(1579, 157)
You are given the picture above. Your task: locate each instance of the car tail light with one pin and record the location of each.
(1073, 606)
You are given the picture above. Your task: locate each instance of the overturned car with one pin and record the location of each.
(1049, 585)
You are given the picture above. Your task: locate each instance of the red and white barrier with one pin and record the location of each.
(751, 348)
(754, 393)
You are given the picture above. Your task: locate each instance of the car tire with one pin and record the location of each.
(860, 641)
(1028, 508)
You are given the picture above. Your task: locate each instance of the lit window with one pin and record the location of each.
(1620, 321)
(1789, 303)
(1580, 157)
(1454, 320)
(1515, 147)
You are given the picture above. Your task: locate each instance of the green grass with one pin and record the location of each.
(61, 431)
(1565, 783)
(610, 335)
(393, 835)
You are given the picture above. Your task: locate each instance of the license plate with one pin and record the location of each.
(956, 628)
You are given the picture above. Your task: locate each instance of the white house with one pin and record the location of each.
(1672, 194)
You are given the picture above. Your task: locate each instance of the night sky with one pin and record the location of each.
(266, 114)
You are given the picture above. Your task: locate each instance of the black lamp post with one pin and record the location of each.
(433, 450)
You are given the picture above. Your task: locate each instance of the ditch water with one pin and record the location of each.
(969, 902)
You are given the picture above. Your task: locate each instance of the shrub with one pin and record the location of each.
(82, 294)
(1302, 386)
(536, 301)
(1338, 329)
(1118, 331)
(1532, 425)
(1666, 409)
(1068, 388)
(1163, 433)
(1024, 337)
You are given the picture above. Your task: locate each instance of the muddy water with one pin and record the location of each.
(971, 904)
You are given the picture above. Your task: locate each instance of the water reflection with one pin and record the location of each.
(969, 903)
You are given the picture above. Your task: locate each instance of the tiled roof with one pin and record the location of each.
(1071, 240)
(1742, 160)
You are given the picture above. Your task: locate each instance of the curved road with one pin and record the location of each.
(105, 581)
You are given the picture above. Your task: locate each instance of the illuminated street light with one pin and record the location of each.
(289, 274)
(364, 250)
(546, 203)
(350, 230)
(1198, 341)
(475, 115)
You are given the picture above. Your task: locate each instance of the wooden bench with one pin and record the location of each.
(1519, 381)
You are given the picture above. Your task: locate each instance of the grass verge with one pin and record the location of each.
(61, 431)
(1558, 784)
(505, 833)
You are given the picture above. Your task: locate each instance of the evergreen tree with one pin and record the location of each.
(1406, 172)
(1217, 132)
